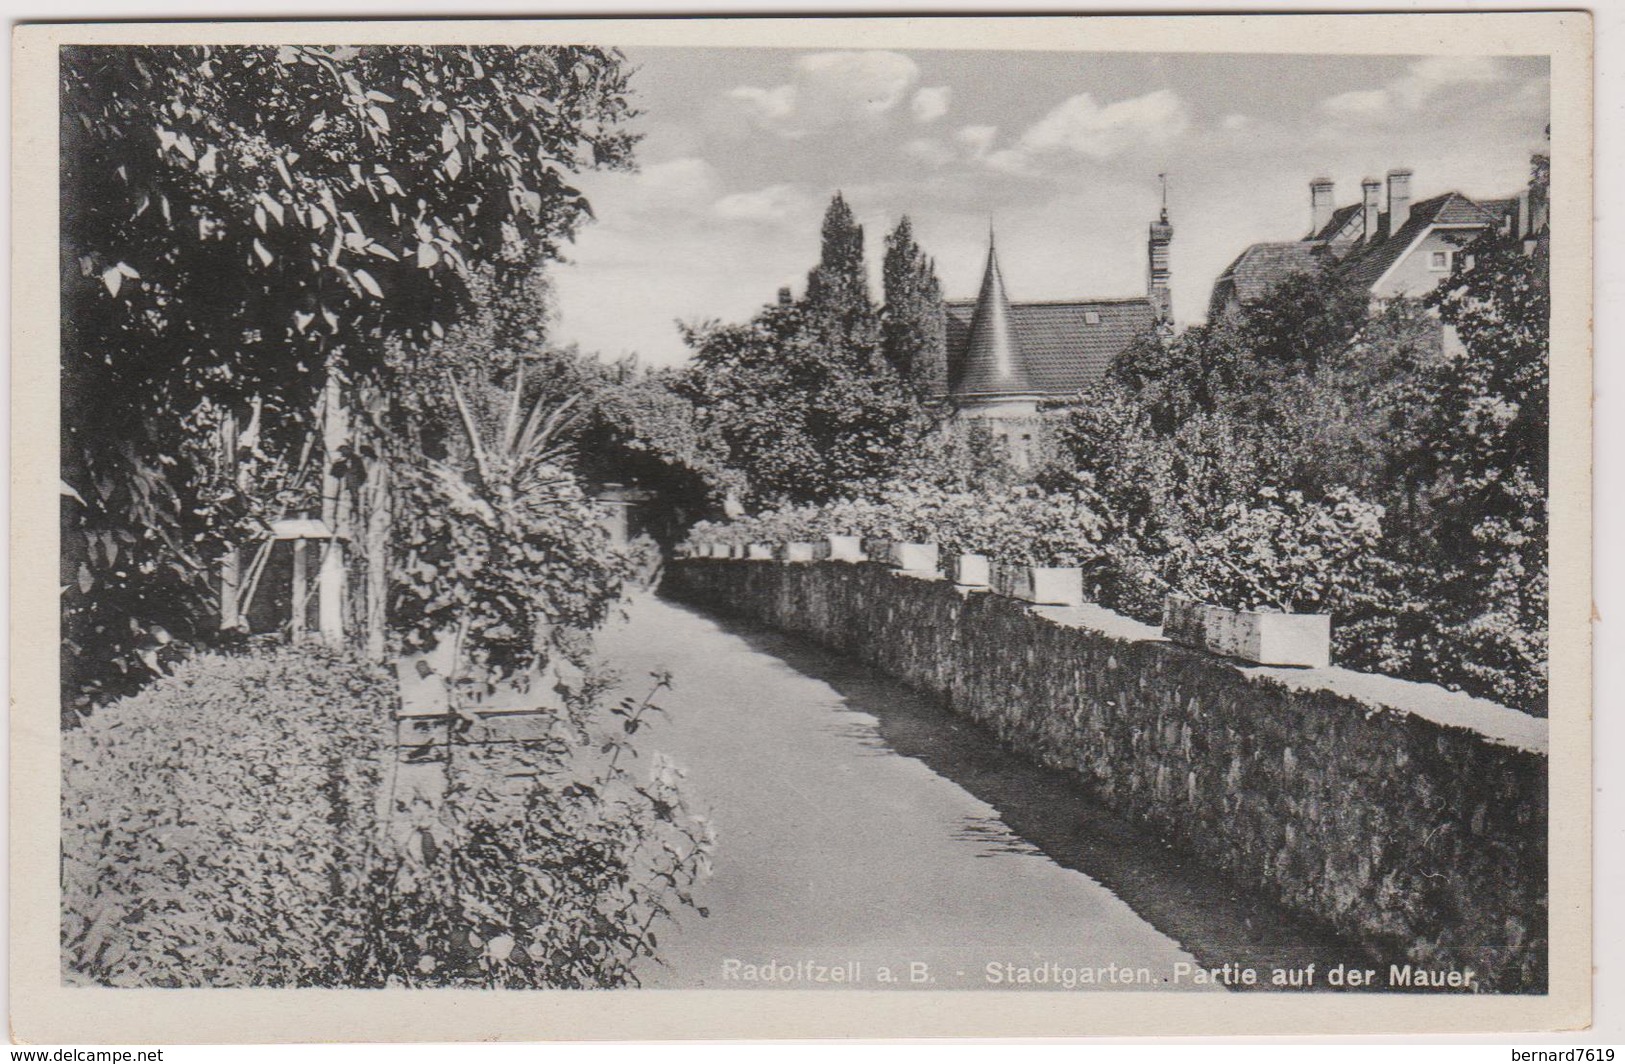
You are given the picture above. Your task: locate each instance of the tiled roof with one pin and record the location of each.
(1459, 210)
(1341, 220)
(1263, 266)
(1369, 264)
(1063, 352)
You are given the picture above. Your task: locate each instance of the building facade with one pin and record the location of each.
(1388, 243)
(1007, 359)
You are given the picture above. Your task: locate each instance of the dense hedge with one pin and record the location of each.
(222, 828)
(1275, 550)
(1018, 525)
(1278, 551)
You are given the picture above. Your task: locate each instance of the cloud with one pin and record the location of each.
(1011, 161)
(1235, 123)
(1359, 104)
(977, 139)
(929, 105)
(834, 89)
(775, 204)
(672, 183)
(1424, 80)
(1439, 71)
(929, 151)
(677, 188)
(767, 106)
(1081, 126)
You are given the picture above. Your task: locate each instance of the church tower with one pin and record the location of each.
(1158, 274)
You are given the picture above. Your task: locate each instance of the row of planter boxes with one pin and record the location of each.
(1039, 585)
(1258, 636)
(1261, 637)
(910, 557)
(1057, 586)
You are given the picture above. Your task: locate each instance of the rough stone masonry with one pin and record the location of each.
(1401, 814)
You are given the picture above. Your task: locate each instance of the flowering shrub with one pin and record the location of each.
(1282, 552)
(1019, 526)
(222, 828)
(497, 541)
(1434, 568)
(503, 567)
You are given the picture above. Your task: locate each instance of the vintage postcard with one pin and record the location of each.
(745, 528)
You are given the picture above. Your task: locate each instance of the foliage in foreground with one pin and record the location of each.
(496, 540)
(242, 223)
(222, 828)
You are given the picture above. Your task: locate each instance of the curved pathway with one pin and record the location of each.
(863, 832)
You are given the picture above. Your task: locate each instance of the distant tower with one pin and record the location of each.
(993, 387)
(1157, 273)
(994, 370)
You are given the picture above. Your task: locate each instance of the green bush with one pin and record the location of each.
(1284, 552)
(1019, 525)
(231, 825)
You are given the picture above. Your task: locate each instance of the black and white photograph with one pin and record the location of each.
(945, 514)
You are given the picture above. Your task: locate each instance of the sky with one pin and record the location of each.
(1059, 152)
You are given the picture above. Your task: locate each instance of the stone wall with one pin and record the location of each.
(1408, 817)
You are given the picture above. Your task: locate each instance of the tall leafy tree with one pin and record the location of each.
(802, 419)
(1306, 318)
(1483, 453)
(240, 222)
(807, 404)
(914, 326)
(837, 301)
(1429, 415)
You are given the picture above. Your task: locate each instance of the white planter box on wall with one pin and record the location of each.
(1184, 621)
(971, 570)
(799, 552)
(1040, 585)
(914, 557)
(1264, 638)
(841, 549)
(759, 552)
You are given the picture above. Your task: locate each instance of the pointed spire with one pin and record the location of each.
(1158, 274)
(993, 364)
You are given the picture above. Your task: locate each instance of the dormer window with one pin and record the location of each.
(1440, 261)
(1091, 317)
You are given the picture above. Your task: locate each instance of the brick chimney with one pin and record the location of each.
(785, 298)
(1399, 199)
(1322, 204)
(1158, 273)
(1372, 196)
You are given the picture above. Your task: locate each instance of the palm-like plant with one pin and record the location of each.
(521, 464)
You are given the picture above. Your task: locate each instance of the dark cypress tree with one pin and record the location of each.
(838, 304)
(914, 326)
